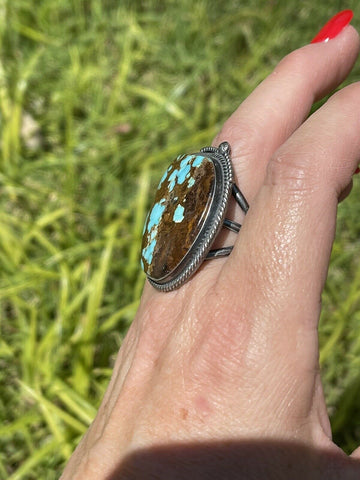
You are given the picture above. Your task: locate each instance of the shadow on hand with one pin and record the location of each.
(237, 460)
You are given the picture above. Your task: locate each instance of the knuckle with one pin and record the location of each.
(283, 171)
(295, 172)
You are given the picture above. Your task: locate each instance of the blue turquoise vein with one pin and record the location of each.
(179, 214)
(177, 176)
(152, 228)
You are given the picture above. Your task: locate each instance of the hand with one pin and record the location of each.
(220, 379)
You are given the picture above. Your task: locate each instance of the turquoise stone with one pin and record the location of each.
(180, 208)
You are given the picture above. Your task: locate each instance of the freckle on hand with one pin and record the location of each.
(184, 412)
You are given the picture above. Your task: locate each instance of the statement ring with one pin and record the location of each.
(188, 212)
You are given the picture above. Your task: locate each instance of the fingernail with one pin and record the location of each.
(357, 171)
(334, 26)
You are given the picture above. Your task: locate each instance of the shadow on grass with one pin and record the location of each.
(230, 460)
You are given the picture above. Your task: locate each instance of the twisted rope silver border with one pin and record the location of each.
(213, 223)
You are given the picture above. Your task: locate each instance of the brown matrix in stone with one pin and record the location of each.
(178, 213)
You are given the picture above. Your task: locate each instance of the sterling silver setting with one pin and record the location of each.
(200, 250)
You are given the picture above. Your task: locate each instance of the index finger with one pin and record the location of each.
(280, 104)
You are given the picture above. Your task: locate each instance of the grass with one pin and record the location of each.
(96, 97)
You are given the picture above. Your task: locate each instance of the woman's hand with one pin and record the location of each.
(220, 379)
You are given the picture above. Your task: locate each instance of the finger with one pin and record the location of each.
(279, 264)
(282, 102)
(280, 260)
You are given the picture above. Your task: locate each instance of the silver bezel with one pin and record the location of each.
(212, 224)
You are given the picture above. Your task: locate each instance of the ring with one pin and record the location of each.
(187, 214)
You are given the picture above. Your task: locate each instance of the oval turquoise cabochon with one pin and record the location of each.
(180, 208)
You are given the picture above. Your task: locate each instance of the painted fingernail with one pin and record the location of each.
(334, 26)
(357, 171)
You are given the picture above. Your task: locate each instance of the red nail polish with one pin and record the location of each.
(334, 26)
(357, 171)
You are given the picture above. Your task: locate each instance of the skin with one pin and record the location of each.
(220, 379)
